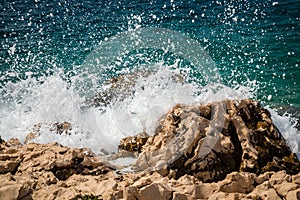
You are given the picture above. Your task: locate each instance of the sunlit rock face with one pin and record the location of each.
(210, 141)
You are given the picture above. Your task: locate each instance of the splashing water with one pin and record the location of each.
(39, 88)
(31, 102)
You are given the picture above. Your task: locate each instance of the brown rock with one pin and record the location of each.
(263, 177)
(49, 192)
(238, 183)
(96, 187)
(296, 179)
(185, 185)
(188, 189)
(61, 128)
(154, 191)
(270, 194)
(212, 141)
(205, 190)
(29, 137)
(60, 161)
(13, 142)
(8, 166)
(37, 169)
(295, 194)
(134, 143)
(227, 196)
(279, 177)
(180, 196)
(45, 178)
(263, 191)
(285, 187)
(32, 184)
(9, 191)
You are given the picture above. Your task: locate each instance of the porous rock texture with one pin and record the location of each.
(241, 155)
(211, 141)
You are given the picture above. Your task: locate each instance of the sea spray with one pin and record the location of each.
(286, 124)
(33, 106)
(31, 102)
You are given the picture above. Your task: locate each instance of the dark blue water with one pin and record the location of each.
(248, 40)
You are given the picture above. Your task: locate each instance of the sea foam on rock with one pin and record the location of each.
(249, 159)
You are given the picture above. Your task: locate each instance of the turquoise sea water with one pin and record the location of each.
(258, 40)
(254, 44)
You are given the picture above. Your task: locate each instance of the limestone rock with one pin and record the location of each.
(154, 191)
(263, 177)
(211, 141)
(205, 190)
(191, 156)
(9, 191)
(134, 143)
(9, 166)
(296, 179)
(61, 128)
(238, 183)
(263, 191)
(227, 196)
(180, 196)
(295, 194)
(32, 168)
(285, 187)
(269, 194)
(30, 183)
(279, 177)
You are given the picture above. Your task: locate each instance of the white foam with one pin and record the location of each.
(287, 127)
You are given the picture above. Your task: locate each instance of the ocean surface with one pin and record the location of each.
(57, 55)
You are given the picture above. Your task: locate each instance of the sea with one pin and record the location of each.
(59, 57)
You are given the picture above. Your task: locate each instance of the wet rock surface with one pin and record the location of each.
(117, 88)
(134, 143)
(243, 157)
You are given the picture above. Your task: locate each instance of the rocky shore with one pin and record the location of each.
(223, 150)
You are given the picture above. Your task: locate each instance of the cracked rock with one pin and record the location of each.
(211, 141)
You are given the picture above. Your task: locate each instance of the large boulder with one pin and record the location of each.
(211, 141)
